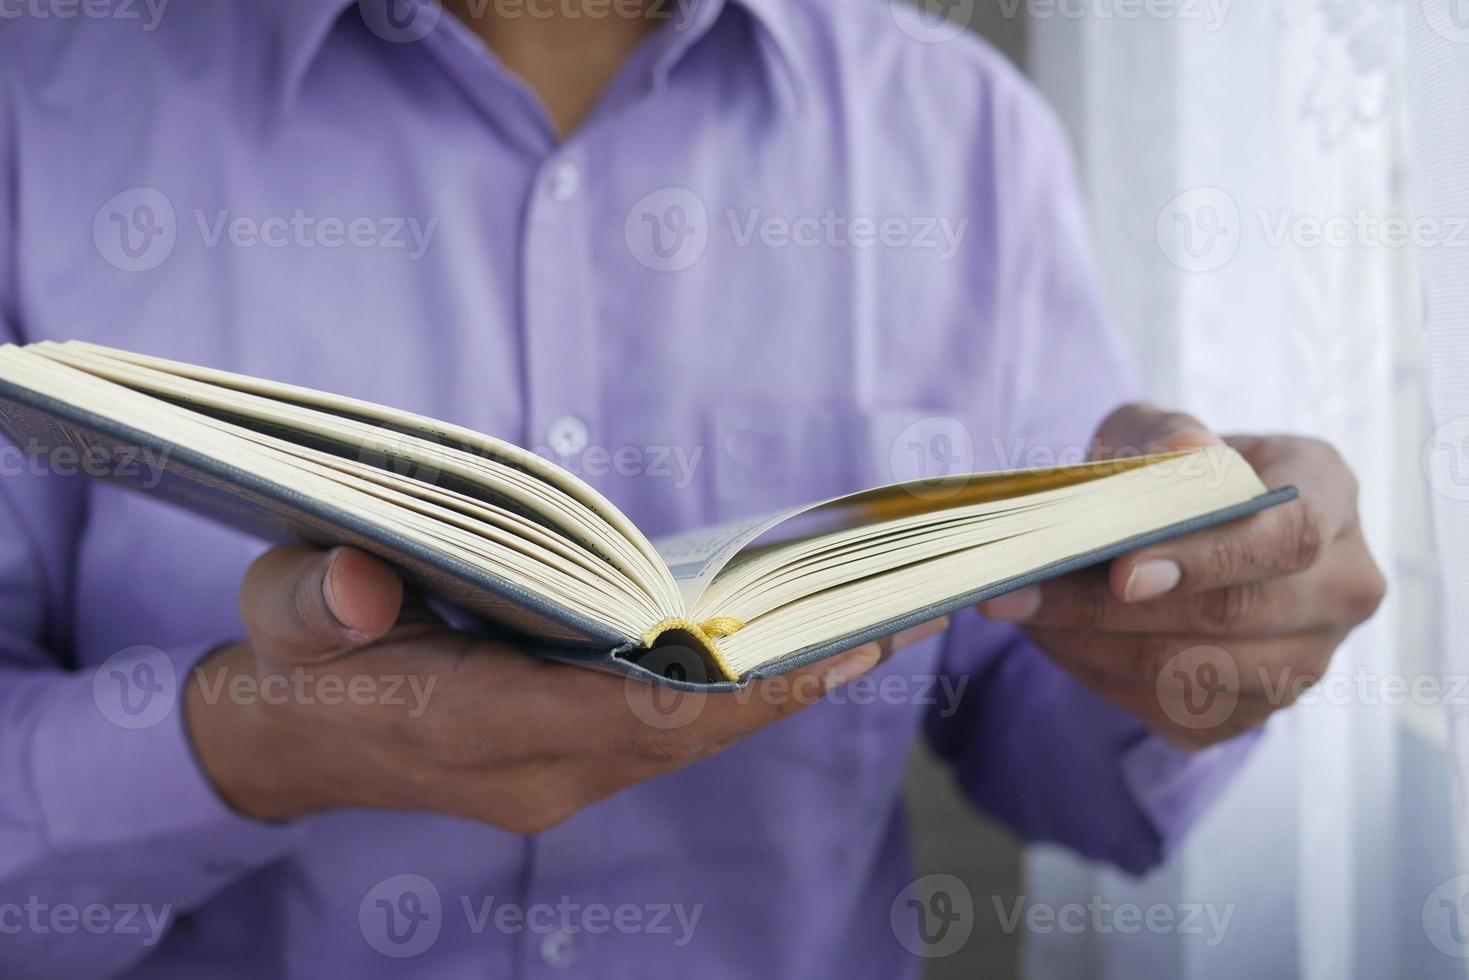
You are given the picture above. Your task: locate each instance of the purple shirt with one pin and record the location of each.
(796, 250)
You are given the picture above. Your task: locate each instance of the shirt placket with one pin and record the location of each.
(560, 341)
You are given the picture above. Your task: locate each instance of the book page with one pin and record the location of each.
(697, 556)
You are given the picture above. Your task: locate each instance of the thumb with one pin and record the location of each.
(1141, 427)
(303, 605)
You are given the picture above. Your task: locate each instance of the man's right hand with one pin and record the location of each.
(501, 736)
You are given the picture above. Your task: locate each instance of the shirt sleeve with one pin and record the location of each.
(1033, 747)
(102, 802)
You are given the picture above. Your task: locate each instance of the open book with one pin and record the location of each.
(525, 545)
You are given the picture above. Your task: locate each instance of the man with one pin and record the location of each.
(717, 258)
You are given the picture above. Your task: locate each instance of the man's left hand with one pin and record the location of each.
(1206, 635)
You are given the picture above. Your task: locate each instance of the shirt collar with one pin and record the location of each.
(299, 28)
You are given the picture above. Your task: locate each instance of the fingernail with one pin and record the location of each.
(1013, 607)
(327, 587)
(852, 664)
(1150, 579)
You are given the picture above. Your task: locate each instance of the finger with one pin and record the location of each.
(1085, 600)
(1141, 427)
(1281, 540)
(1277, 541)
(1270, 671)
(774, 698)
(671, 727)
(301, 604)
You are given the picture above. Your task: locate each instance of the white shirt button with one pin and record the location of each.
(564, 180)
(567, 436)
(559, 948)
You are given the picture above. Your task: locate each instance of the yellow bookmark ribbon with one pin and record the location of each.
(706, 633)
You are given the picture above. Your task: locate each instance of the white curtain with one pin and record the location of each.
(1250, 168)
(1437, 92)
